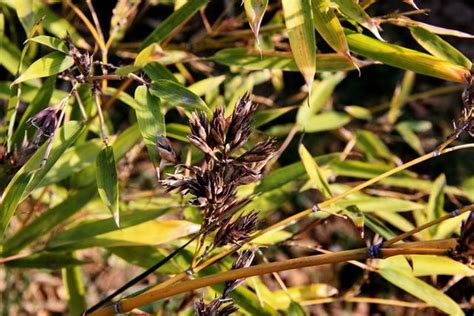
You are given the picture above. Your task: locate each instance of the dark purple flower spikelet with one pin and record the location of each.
(215, 307)
(464, 250)
(213, 184)
(237, 231)
(46, 121)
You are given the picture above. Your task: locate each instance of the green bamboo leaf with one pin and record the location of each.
(88, 230)
(352, 10)
(45, 260)
(368, 204)
(46, 66)
(309, 292)
(150, 120)
(155, 70)
(372, 146)
(173, 22)
(321, 91)
(295, 309)
(410, 137)
(12, 197)
(255, 9)
(426, 265)
(177, 95)
(316, 176)
(292, 172)
(329, 27)
(435, 207)
(75, 290)
(255, 60)
(26, 15)
(438, 47)
(47, 221)
(107, 182)
(300, 28)
(58, 26)
(201, 87)
(405, 58)
(63, 139)
(325, 122)
(148, 233)
(402, 92)
(405, 21)
(396, 220)
(358, 112)
(425, 292)
(10, 56)
(263, 117)
(51, 42)
(145, 257)
(30, 174)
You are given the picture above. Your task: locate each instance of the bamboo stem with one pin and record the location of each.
(265, 268)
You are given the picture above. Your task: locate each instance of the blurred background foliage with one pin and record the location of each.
(377, 84)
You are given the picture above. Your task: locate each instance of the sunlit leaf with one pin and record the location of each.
(45, 260)
(255, 9)
(402, 91)
(436, 201)
(48, 65)
(296, 309)
(438, 47)
(405, 58)
(416, 287)
(255, 60)
(325, 122)
(150, 120)
(329, 27)
(372, 145)
(300, 28)
(107, 182)
(177, 95)
(353, 10)
(315, 174)
(410, 137)
(51, 42)
(358, 112)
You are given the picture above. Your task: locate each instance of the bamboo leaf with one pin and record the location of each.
(201, 87)
(321, 91)
(263, 117)
(352, 10)
(296, 309)
(303, 293)
(325, 122)
(438, 47)
(358, 112)
(173, 22)
(46, 66)
(329, 27)
(425, 292)
(255, 9)
(373, 146)
(70, 238)
(48, 221)
(405, 58)
(436, 202)
(150, 120)
(400, 96)
(300, 28)
(26, 15)
(177, 95)
(410, 137)
(51, 42)
(405, 21)
(107, 182)
(75, 290)
(315, 174)
(12, 197)
(45, 260)
(255, 60)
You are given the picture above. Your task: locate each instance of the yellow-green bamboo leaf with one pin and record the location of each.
(329, 27)
(404, 21)
(314, 172)
(402, 91)
(438, 47)
(355, 12)
(405, 58)
(300, 28)
(255, 9)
